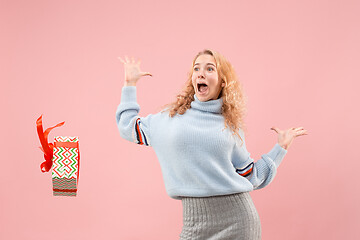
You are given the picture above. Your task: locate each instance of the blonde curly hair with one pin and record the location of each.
(234, 99)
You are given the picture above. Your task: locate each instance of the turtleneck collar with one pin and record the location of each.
(213, 106)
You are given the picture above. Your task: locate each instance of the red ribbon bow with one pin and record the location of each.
(47, 148)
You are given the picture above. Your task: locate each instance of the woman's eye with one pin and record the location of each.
(196, 69)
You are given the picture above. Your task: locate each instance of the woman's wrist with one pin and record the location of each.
(284, 146)
(130, 83)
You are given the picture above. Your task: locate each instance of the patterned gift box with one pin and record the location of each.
(65, 168)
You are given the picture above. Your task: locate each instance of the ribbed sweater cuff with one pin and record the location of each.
(128, 94)
(277, 154)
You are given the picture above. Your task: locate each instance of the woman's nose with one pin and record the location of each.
(201, 74)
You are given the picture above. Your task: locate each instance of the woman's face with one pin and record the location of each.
(205, 78)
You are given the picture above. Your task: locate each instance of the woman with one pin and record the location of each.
(199, 142)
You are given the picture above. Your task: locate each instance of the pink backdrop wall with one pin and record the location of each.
(298, 61)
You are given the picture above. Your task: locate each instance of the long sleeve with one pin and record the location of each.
(262, 172)
(131, 126)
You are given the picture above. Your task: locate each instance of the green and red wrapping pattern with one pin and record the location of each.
(65, 168)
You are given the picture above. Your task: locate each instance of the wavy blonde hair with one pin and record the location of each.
(234, 99)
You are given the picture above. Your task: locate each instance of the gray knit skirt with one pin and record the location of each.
(220, 217)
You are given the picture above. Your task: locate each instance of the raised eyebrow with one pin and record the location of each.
(206, 64)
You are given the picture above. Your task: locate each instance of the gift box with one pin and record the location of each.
(65, 167)
(62, 157)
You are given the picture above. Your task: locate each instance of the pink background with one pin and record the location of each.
(298, 61)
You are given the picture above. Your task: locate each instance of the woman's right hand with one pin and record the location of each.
(132, 71)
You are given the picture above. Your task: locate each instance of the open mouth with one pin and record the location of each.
(202, 87)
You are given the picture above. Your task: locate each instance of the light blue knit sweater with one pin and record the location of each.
(198, 158)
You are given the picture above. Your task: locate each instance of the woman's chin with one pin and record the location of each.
(203, 97)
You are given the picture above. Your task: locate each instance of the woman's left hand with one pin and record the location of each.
(286, 137)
